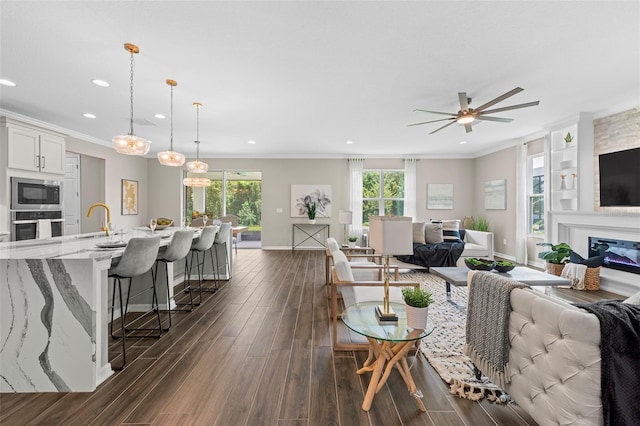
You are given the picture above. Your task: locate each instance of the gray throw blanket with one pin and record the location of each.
(487, 335)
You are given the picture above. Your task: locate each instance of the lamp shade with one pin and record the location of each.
(391, 235)
(345, 217)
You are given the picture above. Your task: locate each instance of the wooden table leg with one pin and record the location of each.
(375, 377)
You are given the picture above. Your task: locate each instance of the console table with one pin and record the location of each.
(309, 236)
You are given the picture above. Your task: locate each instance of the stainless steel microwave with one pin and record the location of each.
(36, 194)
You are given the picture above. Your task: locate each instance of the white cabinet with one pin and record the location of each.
(34, 150)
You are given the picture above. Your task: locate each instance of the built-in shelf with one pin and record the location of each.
(564, 168)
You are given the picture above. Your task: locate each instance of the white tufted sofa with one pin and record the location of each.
(554, 359)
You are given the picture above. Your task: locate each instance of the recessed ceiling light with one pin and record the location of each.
(7, 82)
(463, 142)
(251, 142)
(349, 142)
(100, 83)
(89, 115)
(160, 116)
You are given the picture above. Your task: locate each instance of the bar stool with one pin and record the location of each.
(138, 258)
(204, 243)
(177, 249)
(221, 241)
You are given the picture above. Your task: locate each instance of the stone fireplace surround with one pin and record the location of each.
(575, 228)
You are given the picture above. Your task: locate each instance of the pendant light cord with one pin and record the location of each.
(131, 96)
(197, 132)
(171, 136)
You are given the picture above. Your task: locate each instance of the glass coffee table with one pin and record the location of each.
(388, 346)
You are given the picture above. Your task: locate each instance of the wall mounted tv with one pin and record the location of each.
(620, 178)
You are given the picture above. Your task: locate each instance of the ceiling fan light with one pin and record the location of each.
(465, 119)
(131, 145)
(196, 182)
(171, 158)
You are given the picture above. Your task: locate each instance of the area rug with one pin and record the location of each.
(443, 348)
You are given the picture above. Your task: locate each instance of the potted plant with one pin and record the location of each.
(568, 138)
(417, 301)
(352, 240)
(311, 212)
(556, 256)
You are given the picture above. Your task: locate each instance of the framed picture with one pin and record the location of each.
(129, 197)
(440, 196)
(495, 194)
(303, 194)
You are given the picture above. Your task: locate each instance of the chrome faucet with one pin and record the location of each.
(104, 228)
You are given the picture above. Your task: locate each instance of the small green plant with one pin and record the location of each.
(504, 263)
(352, 238)
(311, 210)
(416, 297)
(475, 261)
(481, 224)
(568, 138)
(557, 253)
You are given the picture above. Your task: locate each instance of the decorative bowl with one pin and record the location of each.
(503, 266)
(164, 225)
(479, 264)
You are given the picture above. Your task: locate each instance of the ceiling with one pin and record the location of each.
(302, 78)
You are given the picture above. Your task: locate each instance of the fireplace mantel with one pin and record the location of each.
(575, 228)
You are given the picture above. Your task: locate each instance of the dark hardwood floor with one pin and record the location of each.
(255, 353)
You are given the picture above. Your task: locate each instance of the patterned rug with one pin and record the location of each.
(443, 348)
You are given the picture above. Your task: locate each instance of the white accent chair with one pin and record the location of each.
(361, 284)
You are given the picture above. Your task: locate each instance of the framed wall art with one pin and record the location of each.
(129, 197)
(495, 194)
(302, 194)
(440, 196)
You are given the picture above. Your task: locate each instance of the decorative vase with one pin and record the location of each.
(352, 244)
(563, 184)
(417, 317)
(312, 221)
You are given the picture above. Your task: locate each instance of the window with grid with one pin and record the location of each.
(382, 193)
(536, 194)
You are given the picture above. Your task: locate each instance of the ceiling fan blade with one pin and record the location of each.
(467, 127)
(435, 112)
(464, 104)
(487, 118)
(528, 104)
(499, 99)
(440, 128)
(432, 121)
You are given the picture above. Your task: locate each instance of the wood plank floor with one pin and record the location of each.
(255, 353)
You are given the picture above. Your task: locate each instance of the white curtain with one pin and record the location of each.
(410, 192)
(356, 166)
(522, 197)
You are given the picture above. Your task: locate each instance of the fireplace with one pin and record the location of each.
(618, 254)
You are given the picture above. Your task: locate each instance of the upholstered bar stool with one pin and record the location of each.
(204, 243)
(177, 249)
(138, 258)
(221, 241)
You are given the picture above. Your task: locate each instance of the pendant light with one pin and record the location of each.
(171, 158)
(131, 144)
(197, 166)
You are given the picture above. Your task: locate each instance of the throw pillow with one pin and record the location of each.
(592, 262)
(451, 231)
(418, 232)
(433, 233)
(633, 300)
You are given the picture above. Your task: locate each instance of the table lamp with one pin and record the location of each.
(390, 235)
(345, 217)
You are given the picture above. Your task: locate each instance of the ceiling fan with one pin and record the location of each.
(468, 115)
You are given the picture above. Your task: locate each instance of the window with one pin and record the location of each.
(231, 192)
(536, 194)
(382, 193)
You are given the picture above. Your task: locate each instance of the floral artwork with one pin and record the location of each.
(303, 194)
(129, 197)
